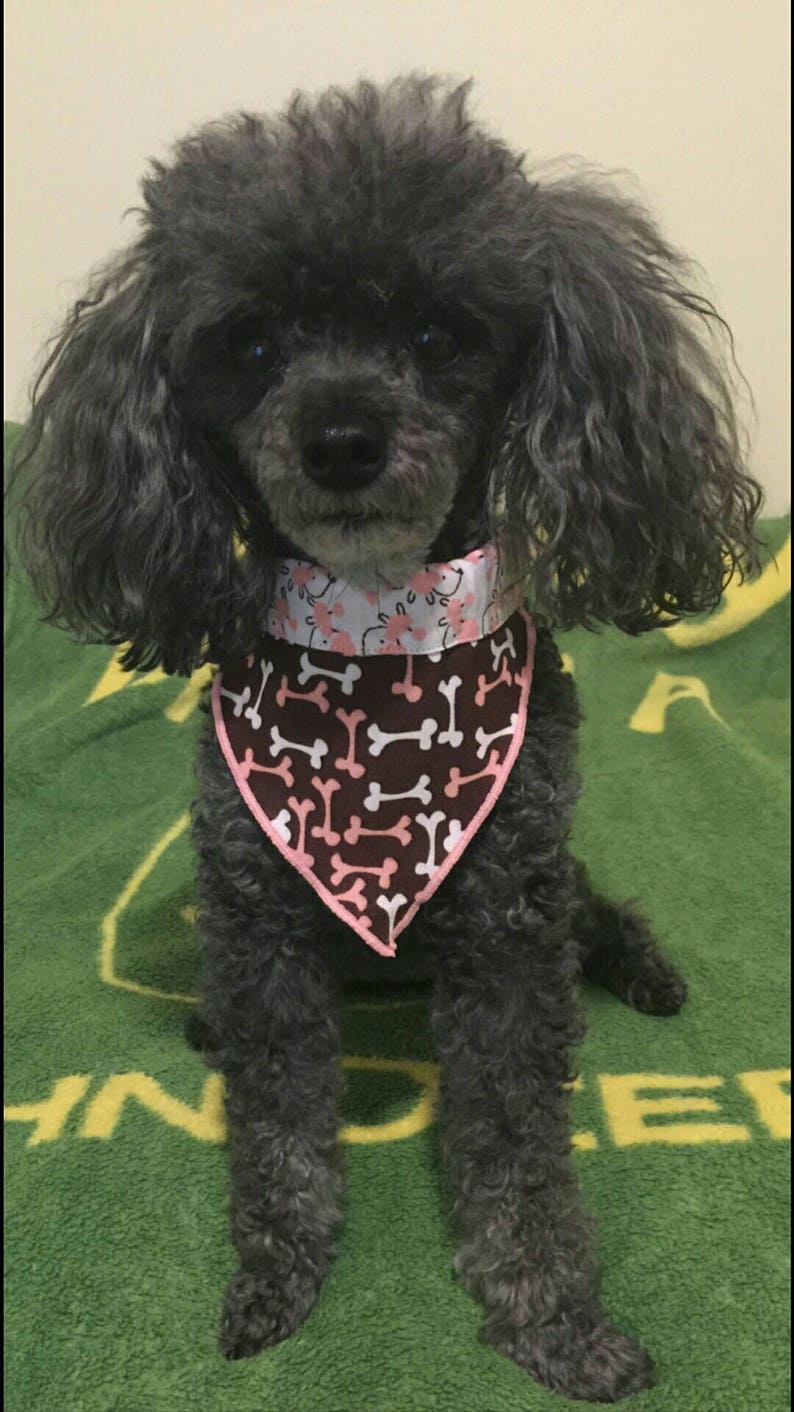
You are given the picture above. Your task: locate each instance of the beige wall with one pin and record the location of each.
(689, 95)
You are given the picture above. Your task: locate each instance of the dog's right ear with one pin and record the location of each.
(127, 529)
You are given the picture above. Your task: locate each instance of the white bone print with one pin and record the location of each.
(252, 712)
(457, 780)
(238, 699)
(281, 825)
(401, 830)
(351, 720)
(384, 872)
(497, 648)
(318, 697)
(453, 834)
(302, 808)
(391, 906)
(430, 825)
(449, 689)
(315, 752)
(483, 738)
(379, 739)
(326, 789)
(376, 796)
(347, 678)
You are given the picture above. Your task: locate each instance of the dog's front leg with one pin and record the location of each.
(270, 1013)
(505, 1015)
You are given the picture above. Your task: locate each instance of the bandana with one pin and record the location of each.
(371, 733)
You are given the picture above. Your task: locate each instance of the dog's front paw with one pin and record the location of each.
(259, 1312)
(654, 986)
(592, 1363)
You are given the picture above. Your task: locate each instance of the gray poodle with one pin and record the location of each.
(361, 335)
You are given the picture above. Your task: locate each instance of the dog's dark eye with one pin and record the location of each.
(254, 351)
(434, 345)
(258, 351)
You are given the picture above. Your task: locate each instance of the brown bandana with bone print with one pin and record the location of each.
(371, 733)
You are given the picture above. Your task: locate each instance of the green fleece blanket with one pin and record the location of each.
(116, 1172)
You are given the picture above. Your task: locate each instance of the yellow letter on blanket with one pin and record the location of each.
(206, 1122)
(765, 1087)
(50, 1115)
(627, 1111)
(664, 690)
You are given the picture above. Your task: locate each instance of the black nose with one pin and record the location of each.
(344, 455)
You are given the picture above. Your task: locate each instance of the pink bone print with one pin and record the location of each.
(301, 808)
(406, 687)
(283, 769)
(457, 780)
(351, 720)
(342, 870)
(318, 697)
(326, 788)
(354, 896)
(401, 830)
(504, 678)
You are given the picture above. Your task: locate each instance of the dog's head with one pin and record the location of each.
(360, 333)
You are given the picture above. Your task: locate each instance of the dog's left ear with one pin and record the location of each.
(620, 470)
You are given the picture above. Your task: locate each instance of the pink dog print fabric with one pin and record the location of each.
(371, 734)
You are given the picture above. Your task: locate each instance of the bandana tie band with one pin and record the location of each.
(371, 733)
